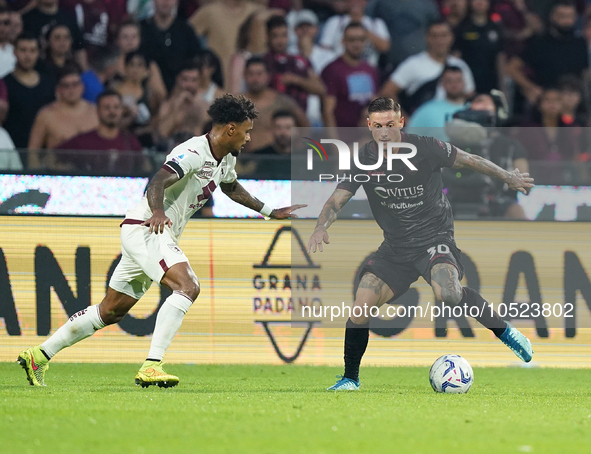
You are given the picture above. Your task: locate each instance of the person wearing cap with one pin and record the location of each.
(292, 75)
(378, 36)
(305, 24)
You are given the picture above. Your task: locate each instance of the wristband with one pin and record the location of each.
(266, 211)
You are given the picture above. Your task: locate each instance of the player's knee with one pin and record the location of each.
(451, 296)
(191, 289)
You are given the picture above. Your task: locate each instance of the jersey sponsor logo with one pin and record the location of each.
(411, 192)
(174, 248)
(446, 146)
(401, 206)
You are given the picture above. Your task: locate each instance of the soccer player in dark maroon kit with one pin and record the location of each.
(417, 221)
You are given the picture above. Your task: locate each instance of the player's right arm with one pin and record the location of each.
(155, 195)
(328, 215)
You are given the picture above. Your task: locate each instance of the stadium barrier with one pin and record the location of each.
(253, 273)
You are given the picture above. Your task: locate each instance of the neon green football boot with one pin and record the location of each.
(35, 364)
(152, 373)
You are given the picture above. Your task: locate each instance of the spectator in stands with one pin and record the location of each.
(267, 102)
(48, 14)
(102, 68)
(571, 97)
(436, 113)
(517, 23)
(94, 21)
(407, 22)
(545, 137)
(210, 80)
(3, 101)
(548, 57)
(417, 78)
(140, 104)
(378, 36)
(28, 90)
(184, 110)
(7, 58)
(128, 40)
(251, 40)
(274, 160)
(504, 151)
(168, 40)
(306, 32)
(109, 149)
(351, 82)
(478, 42)
(16, 26)
(219, 22)
(587, 35)
(58, 52)
(455, 11)
(291, 75)
(235, 76)
(66, 117)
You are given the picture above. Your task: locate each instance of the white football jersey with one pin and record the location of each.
(199, 172)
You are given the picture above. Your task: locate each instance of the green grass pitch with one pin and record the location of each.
(96, 408)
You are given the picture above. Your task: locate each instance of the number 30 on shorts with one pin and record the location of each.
(440, 249)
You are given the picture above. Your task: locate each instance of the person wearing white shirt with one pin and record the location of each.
(9, 157)
(378, 34)
(430, 118)
(7, 58)
(417, 79)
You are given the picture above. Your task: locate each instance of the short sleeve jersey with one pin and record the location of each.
(408, 205)
(199, 172)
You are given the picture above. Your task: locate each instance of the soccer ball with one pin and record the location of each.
(451, 374)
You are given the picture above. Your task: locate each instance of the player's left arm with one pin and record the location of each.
(238, 194)
(516, 180)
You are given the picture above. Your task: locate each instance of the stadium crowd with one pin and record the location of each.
(81, 77)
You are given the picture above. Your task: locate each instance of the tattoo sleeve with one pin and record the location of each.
(155, 190)
(240, 195)
(371, 282)
(332, 207)
(469, 161)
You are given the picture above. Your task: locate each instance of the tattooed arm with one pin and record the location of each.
(516, 180)
(155, 195)
(240, 195)
(328, 215)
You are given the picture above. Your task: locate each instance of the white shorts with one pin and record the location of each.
(145, 258)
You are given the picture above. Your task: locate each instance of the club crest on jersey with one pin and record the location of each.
(206, 172)
(175, 248)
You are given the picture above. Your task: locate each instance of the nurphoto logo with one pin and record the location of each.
(345, 159)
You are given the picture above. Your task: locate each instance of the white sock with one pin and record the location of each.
(168, 321)
(80, 326)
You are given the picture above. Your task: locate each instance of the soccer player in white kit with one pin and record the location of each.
(149, 241)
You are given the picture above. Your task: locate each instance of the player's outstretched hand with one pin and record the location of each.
(315, 242)
(521, 182)
(157, 222)
(286, 212)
